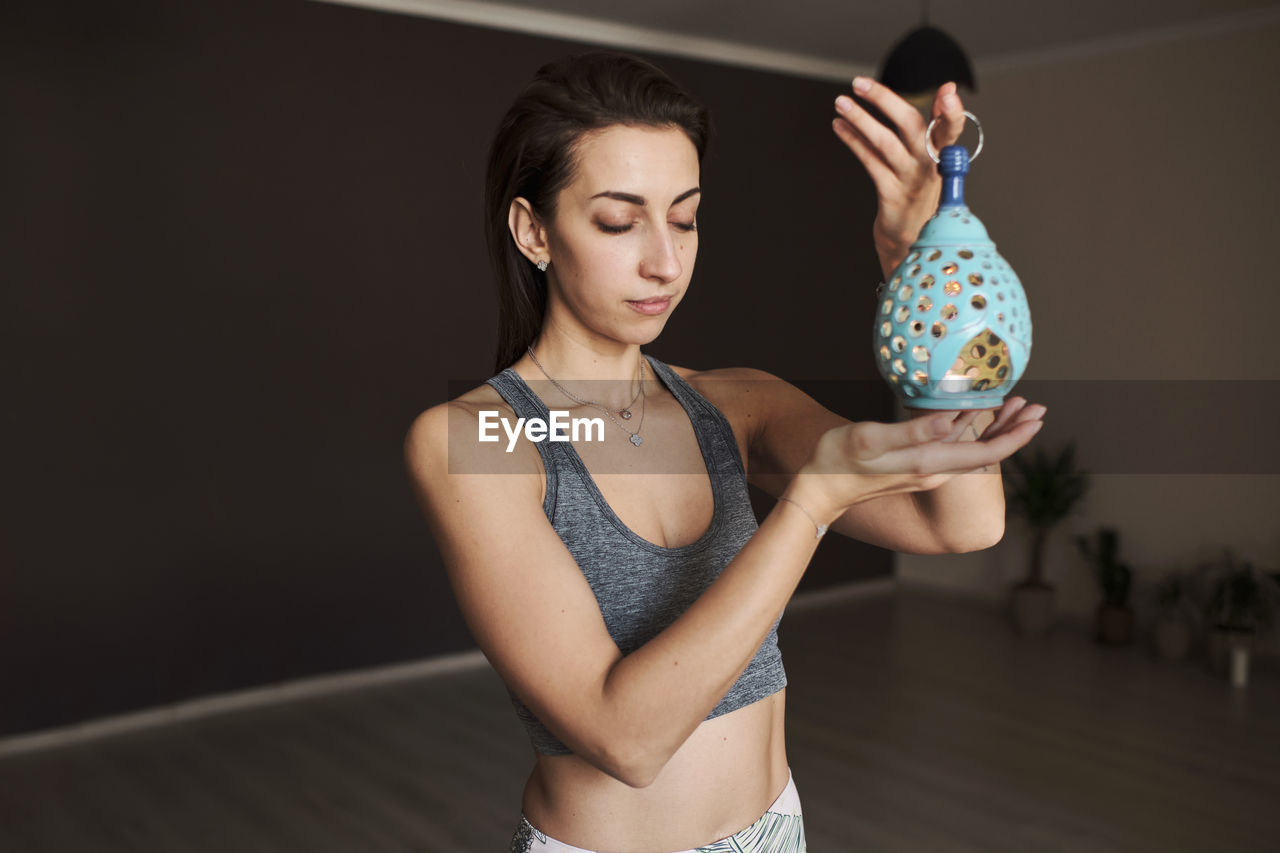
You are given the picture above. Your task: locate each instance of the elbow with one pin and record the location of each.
(980, 538)
(629, 743)
(634, 764)
(615, 756)
(635, 776)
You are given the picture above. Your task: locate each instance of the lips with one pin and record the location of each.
(652, 305)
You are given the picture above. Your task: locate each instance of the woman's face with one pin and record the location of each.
(624, 238)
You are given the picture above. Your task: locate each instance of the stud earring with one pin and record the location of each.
(543, 264)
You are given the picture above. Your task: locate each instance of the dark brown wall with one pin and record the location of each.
(241, 250)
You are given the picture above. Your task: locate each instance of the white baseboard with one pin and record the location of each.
(832, 595)
(254, 697)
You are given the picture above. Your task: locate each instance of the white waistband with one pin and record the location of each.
(787, 803)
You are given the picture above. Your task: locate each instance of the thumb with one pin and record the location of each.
(940, 425)
(949, 113)
(926, 428)
(875, 439)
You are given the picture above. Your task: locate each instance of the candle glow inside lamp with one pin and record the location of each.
(952, 327)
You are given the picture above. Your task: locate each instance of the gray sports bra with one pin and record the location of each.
(642, 587)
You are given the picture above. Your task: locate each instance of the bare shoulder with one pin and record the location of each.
(480, 398)
(430, 429)
(777, 424)
(727, 381)
(446, 438)
(744, 395)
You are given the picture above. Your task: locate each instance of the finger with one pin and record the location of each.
(962, 424)
(905, 116)
(1011, 407)
(1031, 413)
(1016, 410)
(881, 174)
(1027, 415)
(890, 148)
(1035, 411)
(958, 423)
(949, 113)
(959, 457)
(874, 439)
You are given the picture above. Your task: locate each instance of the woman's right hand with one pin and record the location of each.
(862, 460)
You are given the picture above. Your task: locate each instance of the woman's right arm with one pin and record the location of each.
(520, 591)
(537, 621)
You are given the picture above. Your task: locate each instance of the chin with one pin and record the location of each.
(632, 337)
(649, 331)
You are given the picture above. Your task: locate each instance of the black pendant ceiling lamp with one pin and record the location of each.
(923, 60)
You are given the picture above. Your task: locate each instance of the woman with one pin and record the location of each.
(618, 583)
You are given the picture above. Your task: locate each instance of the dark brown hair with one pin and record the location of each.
(533, 156)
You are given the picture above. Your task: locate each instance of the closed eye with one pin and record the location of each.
(622, 229)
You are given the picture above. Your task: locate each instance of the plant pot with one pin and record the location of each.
(1031, 607)
(1114, 625)
(1239, 663)
(1222, 640)
(1171, 637)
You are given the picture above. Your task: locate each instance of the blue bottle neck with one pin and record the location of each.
(953, 165)
(952, 191)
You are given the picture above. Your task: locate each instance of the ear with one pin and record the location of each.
(530, 235)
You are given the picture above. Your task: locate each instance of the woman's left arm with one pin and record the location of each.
(965, 513)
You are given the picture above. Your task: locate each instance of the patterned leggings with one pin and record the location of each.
(779, 830)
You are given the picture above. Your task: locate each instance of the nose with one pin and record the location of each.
(661, 261)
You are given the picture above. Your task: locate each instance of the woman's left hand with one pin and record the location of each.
(905, 176)
(1012, 413)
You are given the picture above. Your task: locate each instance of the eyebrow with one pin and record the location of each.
(640, 200)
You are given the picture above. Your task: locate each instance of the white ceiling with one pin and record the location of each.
(831, 38)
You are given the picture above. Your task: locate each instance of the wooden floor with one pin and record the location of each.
(915, 723)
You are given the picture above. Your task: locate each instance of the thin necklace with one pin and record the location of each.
(626, 413)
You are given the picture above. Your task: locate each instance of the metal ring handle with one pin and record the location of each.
(928, 138)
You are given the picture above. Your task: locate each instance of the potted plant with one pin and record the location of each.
(1242, 604)
(1042, 487)
(1114, 623)
(1175, 623)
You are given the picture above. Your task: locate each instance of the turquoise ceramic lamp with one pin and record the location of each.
(952, 327)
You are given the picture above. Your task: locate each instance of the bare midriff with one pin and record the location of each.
(720, 781)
